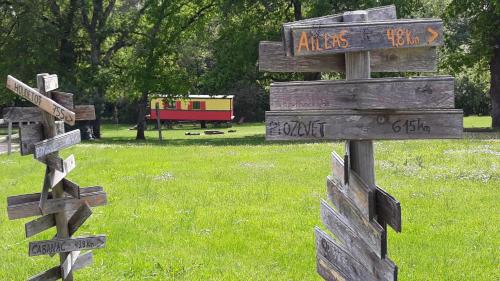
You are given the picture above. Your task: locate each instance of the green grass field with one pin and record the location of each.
(234, 207)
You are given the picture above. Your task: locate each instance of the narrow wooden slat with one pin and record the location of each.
(79, 218)
(370, 231)
(64, 99)
(84, 112)
(50, 82)
(55, 272)
(382, 93)
(71, 188)
(29, 135)
(59, 142)
(313, 40)
(364, 124)
(39, 225)
(346, 264)
(34, 197)
(56, 176)
(22, 114)
(40, 100)
(52, 206)
(382, 269)
(67, 265)
(45, 189)
(53, 161)
(362, 195)
(327, 270)
(272, 58)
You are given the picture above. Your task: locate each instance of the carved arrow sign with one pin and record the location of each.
(313, 40)
(47, 247)
(45, 147)
(40, 100)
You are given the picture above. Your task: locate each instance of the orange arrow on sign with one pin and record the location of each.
(434, 35)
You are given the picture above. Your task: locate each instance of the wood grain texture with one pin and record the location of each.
(54, 162)
(64, 99)
(382, 93)
(34, 197)
(65, 245)
(327, 270)
(55, 272)
(272, 58)
(25, 210)
(351, 268)
(39, 225)
(29, 135)
(382, 269)
(84, 112)
(370, 231)
(41, 101)
(59, 142)
(79, 218)
(377, 13)
(22, 114)
(50, 82)
(362, 195)
(314, 40)
(71, 188)
(364, 124)
(56, 176)
(387, 208)
(67, 265)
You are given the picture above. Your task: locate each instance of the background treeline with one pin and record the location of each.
(114, 53)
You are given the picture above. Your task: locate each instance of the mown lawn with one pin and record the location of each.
(234, 207)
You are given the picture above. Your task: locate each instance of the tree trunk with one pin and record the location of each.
(99, 109)
(141, 116)
(495, 86)
(203, 124)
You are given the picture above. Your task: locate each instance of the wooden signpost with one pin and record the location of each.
(359, 110)
(67, 207)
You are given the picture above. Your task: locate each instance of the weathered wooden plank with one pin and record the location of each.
(382, 93)
(29, 135)
(56, 176)
(273, 59)
(382, 269)
(34, 197)
(327, 270)
(84, 112)
(22, 114)
(370, 231)
(79, 218)
(377, 13)
(364, 124)
(40, 100)
(349, 267)
(64, 99)
(364, 36)
(71, 188)
(58, 245)
(50, 82)
(54, 162)
(41, 224)
(52, 206)
(59, 142)
(67, 265)
(45, 189)
(387, 208)
(362, 195)
(55, 272)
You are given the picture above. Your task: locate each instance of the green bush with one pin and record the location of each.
(472, 95)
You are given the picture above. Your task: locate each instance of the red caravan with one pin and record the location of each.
(194, 108)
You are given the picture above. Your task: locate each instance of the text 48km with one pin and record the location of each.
(410, 126)
(400, 37)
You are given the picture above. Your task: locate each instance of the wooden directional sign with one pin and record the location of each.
(55, 273)
(383, 93)
(378, 13)
(56, 176)
(24, 206)
(364, 124)
(41, 224)
(313, 40)
(33, 114)
(50, 82)
(272, 58)
(40, 100)
(29, 135)
(64, 99)
(59, 142)
(47, 247)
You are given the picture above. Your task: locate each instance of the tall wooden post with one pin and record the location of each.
(50, 131)
(9, 137)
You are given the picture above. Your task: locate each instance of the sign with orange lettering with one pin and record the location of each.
(313, 40)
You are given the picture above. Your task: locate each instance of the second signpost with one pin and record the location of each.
(359, 110)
